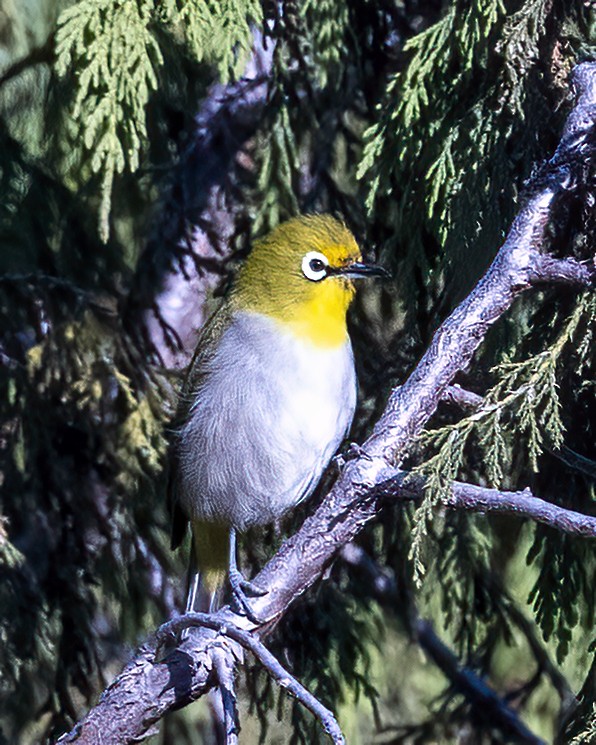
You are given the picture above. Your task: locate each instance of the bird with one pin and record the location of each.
(268, 397)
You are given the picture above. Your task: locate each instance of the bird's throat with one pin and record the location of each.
(319, 317)
(322, 320)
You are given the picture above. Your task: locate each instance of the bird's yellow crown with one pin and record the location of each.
(294, 276)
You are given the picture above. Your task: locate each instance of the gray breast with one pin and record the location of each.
(270, 413)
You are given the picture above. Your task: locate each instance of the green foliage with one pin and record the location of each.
(111, 53)
(216, 32)
(116, 57)
(78, 476)
(303, 128)
(329, 24)
(401, 134)
(278, 167)
(80, 358)
(566, 573)
(451, 136)
(521, 409)
(279, 147)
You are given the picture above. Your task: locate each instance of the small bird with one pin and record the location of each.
(269, 395)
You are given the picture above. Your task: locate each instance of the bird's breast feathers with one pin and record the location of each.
(270, 410)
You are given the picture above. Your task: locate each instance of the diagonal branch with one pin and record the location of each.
(146, 690)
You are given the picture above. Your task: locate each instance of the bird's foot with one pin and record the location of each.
(339, 461)
(242, 590)
(354, 451)
(357, 451)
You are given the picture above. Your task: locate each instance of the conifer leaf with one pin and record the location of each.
(111, 45)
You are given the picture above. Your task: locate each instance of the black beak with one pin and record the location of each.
(359, 270)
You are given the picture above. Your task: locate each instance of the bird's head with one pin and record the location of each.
(302, 274)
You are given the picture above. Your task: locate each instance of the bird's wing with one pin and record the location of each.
(195, 375)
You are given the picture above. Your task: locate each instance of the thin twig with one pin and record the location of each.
(458, 396)
(271, 664)
(576, 461)
(474, 498)
(224, 668)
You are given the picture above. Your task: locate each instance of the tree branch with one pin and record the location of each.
(250, 642)
(147, 689)
(225, 668)
(473, 498)
(207, 663)
(523, 504)
(184, 257)
(36, 56)
(474, 688)
(351, 503)
(576, 461)
(458, 396)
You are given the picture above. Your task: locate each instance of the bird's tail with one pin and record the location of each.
(208, 566)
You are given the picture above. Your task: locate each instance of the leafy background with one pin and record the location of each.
(136, 165)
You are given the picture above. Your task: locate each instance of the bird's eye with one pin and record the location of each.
(314, 266)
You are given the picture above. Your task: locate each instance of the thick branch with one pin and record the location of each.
(184, 674)
(144, 689)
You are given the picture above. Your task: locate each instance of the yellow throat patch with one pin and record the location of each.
(272, 281)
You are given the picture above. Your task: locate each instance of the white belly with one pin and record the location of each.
(270, 413)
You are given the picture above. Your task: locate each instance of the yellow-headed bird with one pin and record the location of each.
(269, 396)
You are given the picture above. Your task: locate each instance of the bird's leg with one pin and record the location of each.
(242, 588)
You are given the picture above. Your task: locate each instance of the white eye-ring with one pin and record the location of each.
(314, 266)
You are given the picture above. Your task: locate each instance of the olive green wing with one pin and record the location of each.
(195, 375)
